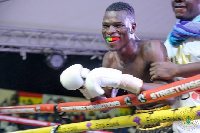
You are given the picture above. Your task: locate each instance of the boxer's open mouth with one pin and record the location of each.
(112, 39)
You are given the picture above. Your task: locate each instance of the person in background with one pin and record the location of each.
(183, 48)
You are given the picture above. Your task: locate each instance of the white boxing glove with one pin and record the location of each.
(72, 77)
(109, 77)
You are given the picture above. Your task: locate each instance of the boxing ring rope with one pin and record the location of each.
(27, 121)
(126, 121)
(170, 90)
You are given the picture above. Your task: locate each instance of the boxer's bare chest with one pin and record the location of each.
(138, 68)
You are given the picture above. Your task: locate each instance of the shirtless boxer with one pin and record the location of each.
(127, 64)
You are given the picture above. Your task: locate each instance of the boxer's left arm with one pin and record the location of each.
(156, 52)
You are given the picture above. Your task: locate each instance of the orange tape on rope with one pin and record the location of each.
(39, 108)
(173, 89)
(166, 91)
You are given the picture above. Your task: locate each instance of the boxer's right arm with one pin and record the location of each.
(99, 78)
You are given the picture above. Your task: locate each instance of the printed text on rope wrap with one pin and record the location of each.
(92, 107)
(176, 89)
(25, 110)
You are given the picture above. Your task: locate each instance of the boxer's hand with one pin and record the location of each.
(102, 77)
(72, 78)
(108, 77)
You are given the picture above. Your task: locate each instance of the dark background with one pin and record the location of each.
(34, 75)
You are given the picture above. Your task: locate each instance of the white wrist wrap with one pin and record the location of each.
(110, 77)
(85, 93)
(131, 83)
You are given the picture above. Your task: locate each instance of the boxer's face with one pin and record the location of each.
(116, 29)
(185, 9)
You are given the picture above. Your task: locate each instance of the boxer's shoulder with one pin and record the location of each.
(149, 49)
(149, 44)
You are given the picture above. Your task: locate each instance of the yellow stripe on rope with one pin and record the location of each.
(185, 113)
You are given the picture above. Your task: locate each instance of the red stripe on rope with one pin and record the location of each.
(27, 121)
